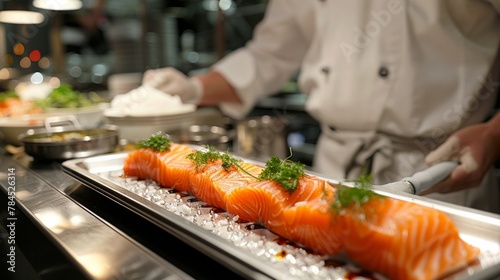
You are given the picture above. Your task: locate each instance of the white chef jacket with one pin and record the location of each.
(385, 72)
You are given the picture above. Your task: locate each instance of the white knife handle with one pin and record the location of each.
(431, 176)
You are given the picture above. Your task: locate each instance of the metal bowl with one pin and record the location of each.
(67, 142)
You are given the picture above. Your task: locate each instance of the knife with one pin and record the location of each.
(421, 180)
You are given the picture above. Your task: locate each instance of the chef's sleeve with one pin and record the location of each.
(268, 60)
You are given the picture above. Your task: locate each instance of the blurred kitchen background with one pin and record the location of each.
(105, 46)
(128, 36)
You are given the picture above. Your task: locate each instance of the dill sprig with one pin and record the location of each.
(285, 172)
(157, 142)
(209, 155)
(354, 197)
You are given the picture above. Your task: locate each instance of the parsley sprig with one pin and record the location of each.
(285, 172)
(157, 142)
(354, 197)
(210, 155)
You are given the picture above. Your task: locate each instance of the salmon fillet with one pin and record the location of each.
(403, 240)
(263, 201)
(311, 224)
(302, 216)
(169, 169)
(211, 183)
(399, 239)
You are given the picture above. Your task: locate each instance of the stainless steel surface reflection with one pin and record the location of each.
(101, 251)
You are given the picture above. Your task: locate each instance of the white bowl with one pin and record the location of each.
(135, 129)
(88, 117)
(12, 127)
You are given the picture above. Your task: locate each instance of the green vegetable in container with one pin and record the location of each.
(66, 97)
(8, 94)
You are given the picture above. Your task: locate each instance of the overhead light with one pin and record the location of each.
(58, 5)
(21, 17)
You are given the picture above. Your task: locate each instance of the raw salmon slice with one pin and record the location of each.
(311, 224)
(211, 182)
(403, 240)
(302, 216)
(307, 218)
(262, 202)
(170, 169)
(310, 188)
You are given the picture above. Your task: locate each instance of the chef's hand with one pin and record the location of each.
(476, 147)
(174, 82)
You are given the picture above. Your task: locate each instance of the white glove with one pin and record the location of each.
(451, 150)
(174, 82)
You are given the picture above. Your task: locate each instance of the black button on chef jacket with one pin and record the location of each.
(383, 72)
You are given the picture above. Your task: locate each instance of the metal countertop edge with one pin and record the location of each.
(100, 251)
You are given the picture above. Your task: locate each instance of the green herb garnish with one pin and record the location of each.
(8, 94)
(66, 97)
(210, 155)
(285, 172)
(158, 142)
(354, 197)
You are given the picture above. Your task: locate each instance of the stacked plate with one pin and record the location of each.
(137, 128)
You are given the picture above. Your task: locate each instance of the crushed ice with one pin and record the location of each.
(253, 238)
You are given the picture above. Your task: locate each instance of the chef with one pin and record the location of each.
(396, 85)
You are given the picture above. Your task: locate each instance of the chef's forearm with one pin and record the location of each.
(216, 89)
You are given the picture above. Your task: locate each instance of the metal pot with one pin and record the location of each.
(261, 137)
(68, 141)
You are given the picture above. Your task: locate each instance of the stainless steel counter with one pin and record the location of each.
(56, 228)
(68, 229)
